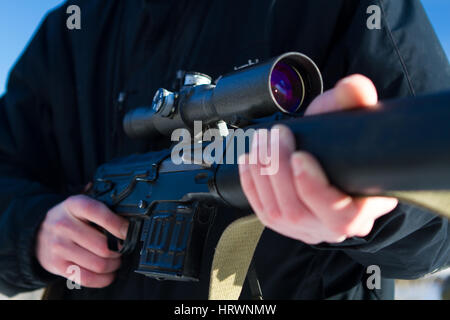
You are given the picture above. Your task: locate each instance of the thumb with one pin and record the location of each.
(352, 91)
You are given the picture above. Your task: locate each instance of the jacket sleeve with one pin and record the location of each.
(403, 58)
(28, 167)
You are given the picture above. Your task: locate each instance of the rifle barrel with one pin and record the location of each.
(401, 145)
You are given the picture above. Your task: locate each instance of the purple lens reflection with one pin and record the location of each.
(287, 87)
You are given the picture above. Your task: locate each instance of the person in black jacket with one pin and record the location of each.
(61, 118)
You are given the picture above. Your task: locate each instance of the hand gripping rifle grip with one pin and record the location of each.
(129, 244)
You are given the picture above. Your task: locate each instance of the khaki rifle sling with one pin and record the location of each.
(232, 258)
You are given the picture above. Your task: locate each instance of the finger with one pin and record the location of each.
(335, 209)
(282, 147)
(86, 278)
(247, 183)
(353, 91)
(86, 259)
(270, 210)
(94, 211)
(86, 237)
(374, 207)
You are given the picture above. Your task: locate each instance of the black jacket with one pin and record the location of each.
(60, 119)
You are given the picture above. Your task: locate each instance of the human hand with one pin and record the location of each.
(66, 237)
(298, 201)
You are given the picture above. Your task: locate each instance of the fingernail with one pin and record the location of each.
(243, 165)
(303, 164)
(280, 134)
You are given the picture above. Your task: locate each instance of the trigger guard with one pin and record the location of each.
(132, 237)
(130, 242)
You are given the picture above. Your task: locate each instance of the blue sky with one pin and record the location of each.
(19, 19)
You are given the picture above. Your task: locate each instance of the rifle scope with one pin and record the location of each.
(287, 83)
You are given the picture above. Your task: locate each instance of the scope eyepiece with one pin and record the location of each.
(294, 81)
(288, 87)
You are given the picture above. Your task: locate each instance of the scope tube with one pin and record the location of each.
(287, 83)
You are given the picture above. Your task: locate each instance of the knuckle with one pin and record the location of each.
(291, 214)
(74, 201)
(100, 266)
(102, 248)
(61, 226)
(56, 249)
(87, 206)
(83, 204)
(271, 215)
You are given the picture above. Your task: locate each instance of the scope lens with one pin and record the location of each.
(287, 87)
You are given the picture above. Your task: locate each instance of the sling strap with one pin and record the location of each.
(232, 258)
